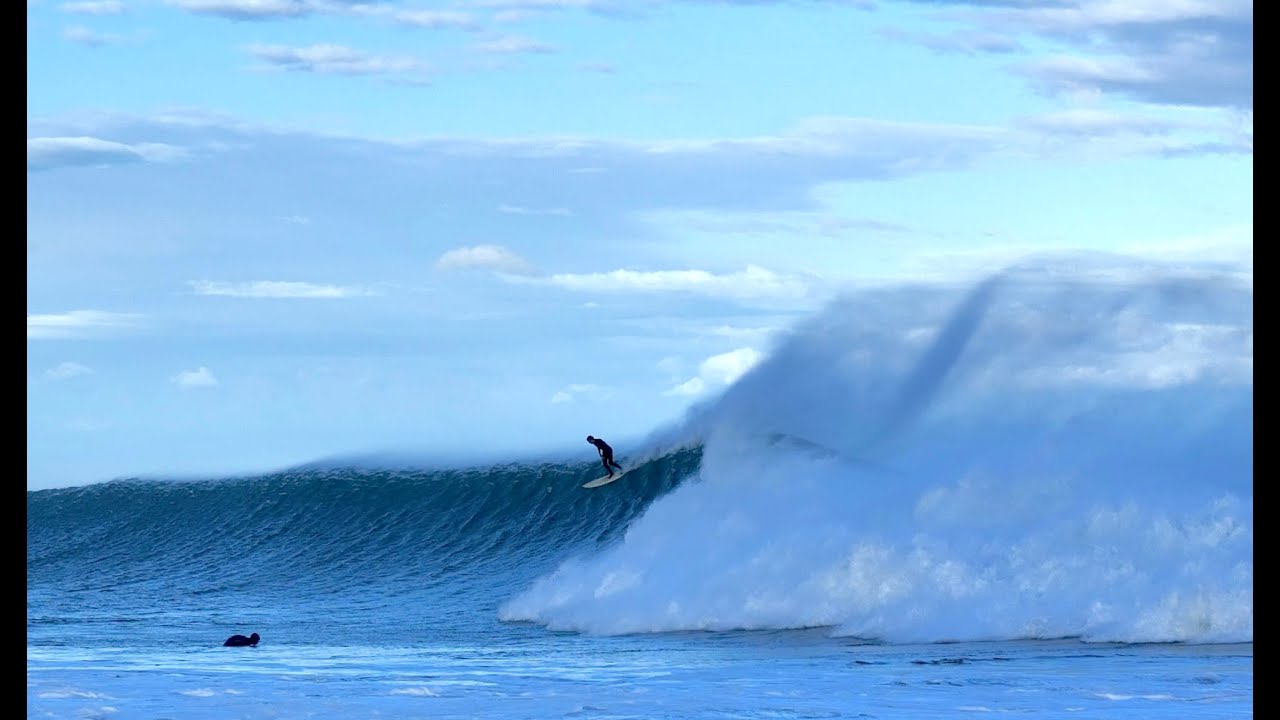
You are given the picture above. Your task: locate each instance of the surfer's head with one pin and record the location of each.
(253, 639)
(590, 439)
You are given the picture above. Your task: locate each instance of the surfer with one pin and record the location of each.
(606, 454)
(241, 641)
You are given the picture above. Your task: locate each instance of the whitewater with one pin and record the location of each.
(1031, 495)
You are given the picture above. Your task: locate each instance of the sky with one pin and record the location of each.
(266, 232)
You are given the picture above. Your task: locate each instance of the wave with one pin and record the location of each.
(1039, 457)
(325, 529)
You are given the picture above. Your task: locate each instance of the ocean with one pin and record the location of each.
(1033, 497)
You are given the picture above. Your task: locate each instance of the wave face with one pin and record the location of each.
(1049, 455)
(324, 539)
(1045, 455)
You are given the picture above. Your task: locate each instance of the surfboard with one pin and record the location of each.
(606, 479)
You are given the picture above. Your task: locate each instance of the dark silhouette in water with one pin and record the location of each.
(606, 454)
(241, 641)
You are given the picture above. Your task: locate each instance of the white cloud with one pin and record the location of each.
(285, 9)
(86, 424)
(429, 19)
(67, 370)
(333, 59)
(1077, 68)
(77, 323)
(759, 223)
(510, 45)
(517, 210)
(1232, 245)
(436, 19)
(94, 7)
(671, 365)
(90, 37)
(1187, 52)
(754, 282)
(693, 386)
(483, 257)
(967, 42)
(276, 289)
(200, 377)
(599, 67)
(731, 331)
(572, 391)
(549, 4)
(45, 153)
(1087, 14)
(728, 367)
(719, 370)
(296, 219)
(1092, 121)
(247, 9)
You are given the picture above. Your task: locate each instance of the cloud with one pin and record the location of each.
(598, 67)
(718, 371)
(670, 365)
(483, 257)
(200, 377)
(962, 42)
(265, 10)
(47, 153)
(1090, 121)
(67, 370)
(78, 324)
(753, 282)
(94, 7)
(809, 223)
(89, 37)
(1090, 15)
(1084, 131)
(332, 59)
(517, 210)
(247, 9)
(435, 19)
(511, 45)
(86, 424)
(751, 184)
(572, 391)
(1195, 52)
(530, 5)
(276, 289)
(760, 173)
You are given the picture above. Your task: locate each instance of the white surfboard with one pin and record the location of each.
(606, 479)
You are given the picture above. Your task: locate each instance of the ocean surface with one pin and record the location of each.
(1031, 498)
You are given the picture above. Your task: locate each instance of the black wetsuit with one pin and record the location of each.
(606, 455)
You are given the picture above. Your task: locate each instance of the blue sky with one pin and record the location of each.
(263, 232)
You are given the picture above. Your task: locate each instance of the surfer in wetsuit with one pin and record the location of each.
(606, 454)
(242, 641)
